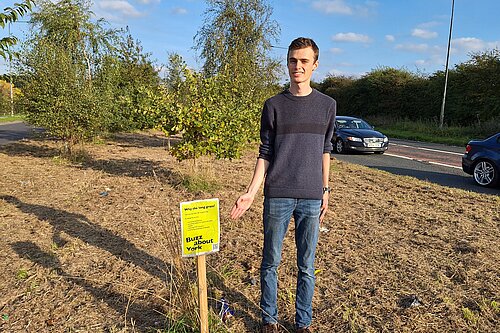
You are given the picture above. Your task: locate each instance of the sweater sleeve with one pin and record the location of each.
(267, 133)
(328, 147)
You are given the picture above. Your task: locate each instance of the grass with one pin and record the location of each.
(22, 274)
(469, 316)
(429, 131)
(8, 118)
(195, 183)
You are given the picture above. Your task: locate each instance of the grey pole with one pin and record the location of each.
(10, 77)
(441, 117)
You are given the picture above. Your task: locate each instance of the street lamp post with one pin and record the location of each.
(10, 77)
(441, 117)
(10, 74)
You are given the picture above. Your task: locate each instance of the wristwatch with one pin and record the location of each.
(326, 189)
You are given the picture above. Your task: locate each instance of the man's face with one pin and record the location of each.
(301, 64)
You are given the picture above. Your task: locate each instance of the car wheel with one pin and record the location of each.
(485, 173)
(339, 146)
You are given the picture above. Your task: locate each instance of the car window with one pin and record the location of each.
(359, 124)
(341, 124)
(354, 124)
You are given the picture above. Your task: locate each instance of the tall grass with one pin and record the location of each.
(429, 131)
(181, 301)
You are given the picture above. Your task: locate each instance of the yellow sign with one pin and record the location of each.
(200, 227)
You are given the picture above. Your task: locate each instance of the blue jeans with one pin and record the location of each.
(277, 215)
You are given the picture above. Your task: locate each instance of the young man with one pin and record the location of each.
(294, 158)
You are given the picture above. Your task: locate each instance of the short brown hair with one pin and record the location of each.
(302, 43)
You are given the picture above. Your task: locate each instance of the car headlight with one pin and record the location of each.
(386, 139)
(353, 138)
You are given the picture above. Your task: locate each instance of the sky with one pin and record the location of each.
(354, 36)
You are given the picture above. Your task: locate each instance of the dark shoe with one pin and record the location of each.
(304, 330)
(270, 328)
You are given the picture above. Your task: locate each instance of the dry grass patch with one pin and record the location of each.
(92, 246)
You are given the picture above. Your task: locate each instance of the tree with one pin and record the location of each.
(208, 112)
(218, 110)
(61, 58)
(235, 40)
(341, 89)
(174, 71)
(477, 88)
(131, 80)
(10, 15)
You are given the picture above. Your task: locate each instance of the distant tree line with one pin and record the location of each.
(473, 96)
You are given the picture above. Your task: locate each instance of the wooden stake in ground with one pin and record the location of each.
(202, 292)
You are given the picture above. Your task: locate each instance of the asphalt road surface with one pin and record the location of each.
(435, 163)
(15, 131)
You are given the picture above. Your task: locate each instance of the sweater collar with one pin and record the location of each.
(289, 95)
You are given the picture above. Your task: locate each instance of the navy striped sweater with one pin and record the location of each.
(295, 132)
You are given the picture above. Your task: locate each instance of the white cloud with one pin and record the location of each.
(418, 48)
(338, 72)
(179, 11)
(341, 7)
(428, 25)
(344, 64)
(425, 34)
(351, 37)
(336, 50)
(333, 7)
(117, 8)
(433, 54)
(459, 46)
(432, 61)
(147, 2)
(390, 38)
(472, 44)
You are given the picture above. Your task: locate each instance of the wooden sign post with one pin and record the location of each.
(201, 267)
(200, 232)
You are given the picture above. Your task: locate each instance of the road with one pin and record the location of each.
(15, 131)
(436, 163)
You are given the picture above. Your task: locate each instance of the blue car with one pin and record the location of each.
(482, 160)
(355, 134)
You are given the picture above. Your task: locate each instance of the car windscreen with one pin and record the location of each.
(354, 124)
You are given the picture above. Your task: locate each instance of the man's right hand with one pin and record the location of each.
(241, 206)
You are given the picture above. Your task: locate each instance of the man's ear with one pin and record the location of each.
(316, 64)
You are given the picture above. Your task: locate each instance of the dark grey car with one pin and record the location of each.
(482, 160)
(355, 134)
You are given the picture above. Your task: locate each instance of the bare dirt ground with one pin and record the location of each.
(93, 246)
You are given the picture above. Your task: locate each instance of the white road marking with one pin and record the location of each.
(428, 149)
(400, 156)
(446, 165)
(424, 161)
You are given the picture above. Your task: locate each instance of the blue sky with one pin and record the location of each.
(354, 36)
